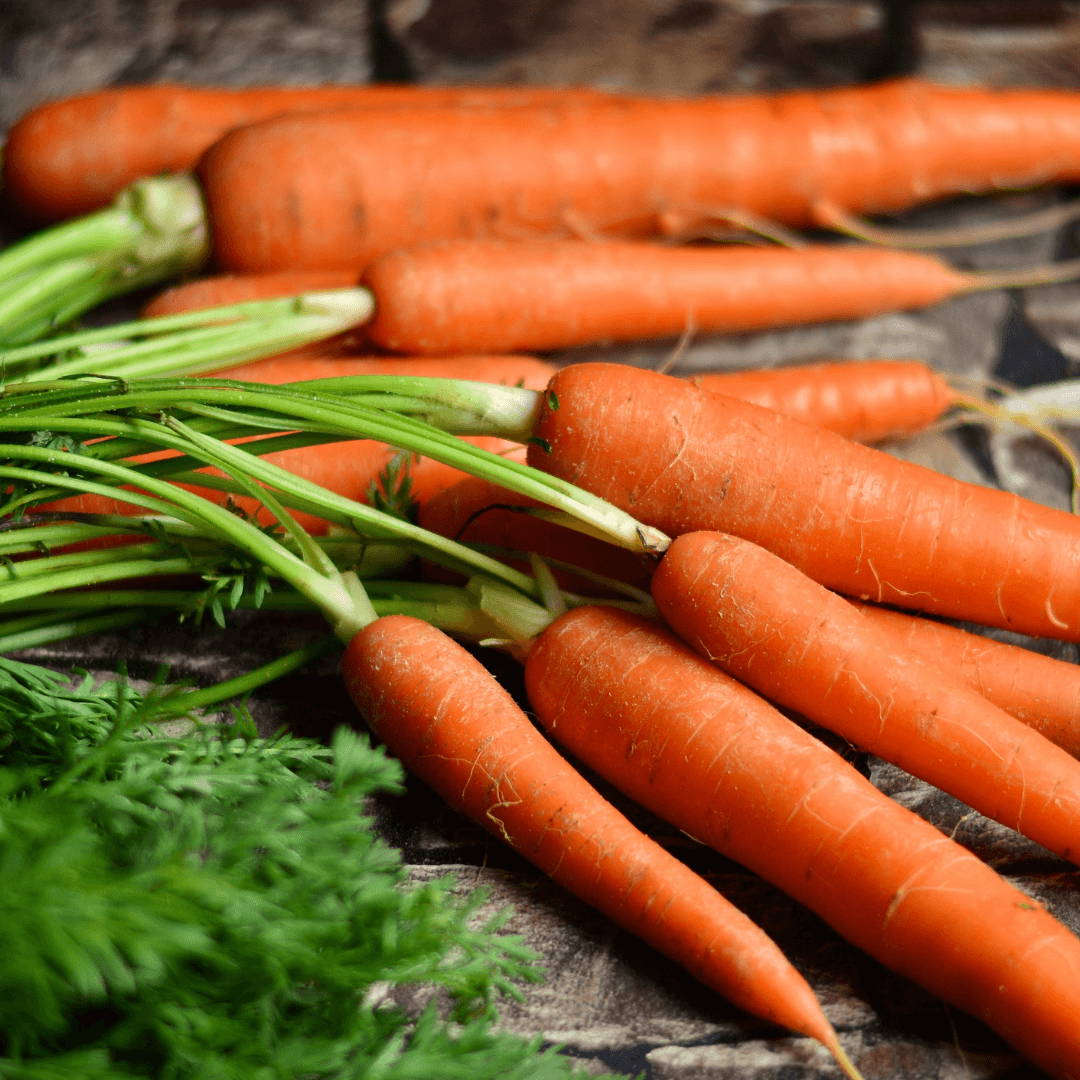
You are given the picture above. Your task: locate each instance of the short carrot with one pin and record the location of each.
(340, 188)
(852, 518)
(1038, 690)
(863, 400)
(796, 643)
(450, 723)
(74, 155)
(704, 752)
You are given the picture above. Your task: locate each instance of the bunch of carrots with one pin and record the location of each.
(755, 523)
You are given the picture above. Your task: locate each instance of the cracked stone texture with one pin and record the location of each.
(615, 1005)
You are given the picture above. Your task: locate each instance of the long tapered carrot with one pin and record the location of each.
(476, 295)
(72, 156)
(851, 517)
(450, 723)
(806, 648)
(469, 296)
(342, 188)
(863, 400)
(1042, 692)
(704, 752)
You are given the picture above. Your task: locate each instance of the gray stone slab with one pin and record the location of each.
(64, 47)
(646, 46)
(1027, 44)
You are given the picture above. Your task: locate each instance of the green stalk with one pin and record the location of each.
(305, 409)
(196, 341)
(155, 229)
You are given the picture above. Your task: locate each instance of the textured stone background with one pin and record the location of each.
(612, 1002)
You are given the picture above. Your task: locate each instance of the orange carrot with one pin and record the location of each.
(704, 752)
(340, 188)
(1042, 692)
(442, 713)
(473, 296)
(350, 468)
(806, 648)
(226, 289)
(72, 156)
(863, 400)
(850, 517)
(476, 511)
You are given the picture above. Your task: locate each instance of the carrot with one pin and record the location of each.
(1038, 690)
(850, 517)
(806, 648)
(350, 468)
(72, 156)
(863, 400)
(527, 371)
(476, 511)
(225, 289)
(443, 715)
(704, 752)
(472, 296)
(340, 188)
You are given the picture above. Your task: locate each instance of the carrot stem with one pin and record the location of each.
(154, 230)
(195, 342)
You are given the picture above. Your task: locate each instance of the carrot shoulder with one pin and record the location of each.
(851, 517)
(806, 648)
(450, 723)
(489, 295)
(705, 753)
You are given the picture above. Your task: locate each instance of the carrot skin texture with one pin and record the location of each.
(849, 516)
(704, 752)
(75, 155)
(1038, 690)
(470, 296)
(863, 400)
(353, 185)
(798, 644)
(450, 723)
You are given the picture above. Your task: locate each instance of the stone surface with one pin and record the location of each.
(55, 48)
(1034, 43)
(652, 46)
